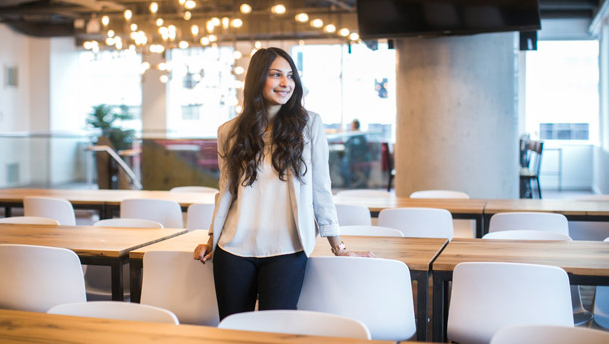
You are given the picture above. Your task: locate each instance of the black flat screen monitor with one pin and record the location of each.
(403, 18)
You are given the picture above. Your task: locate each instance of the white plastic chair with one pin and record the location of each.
(600, 308)
(30, 220)
(589, 230)
(350, 214)
(174, 281)
(36, 278)
(461, 228)
(364, 193)
(370, 231)
(549, 222)
(546, 334)
(377, 292)
(199, 216)
(194, 189)
(418, 222)
(53, 208)
(98, 279)
(116, 310)
(166, 212)
(524, 234)
(529, 220)
(487, 296)
(297, 322)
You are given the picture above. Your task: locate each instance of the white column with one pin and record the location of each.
(457, 115)
(154, 99)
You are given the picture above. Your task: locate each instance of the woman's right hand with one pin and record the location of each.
(203, 252)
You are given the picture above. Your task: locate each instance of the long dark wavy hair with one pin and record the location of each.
(244, 146)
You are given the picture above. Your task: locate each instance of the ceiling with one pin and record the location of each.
(56, 18)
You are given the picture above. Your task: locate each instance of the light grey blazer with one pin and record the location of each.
(311, 199)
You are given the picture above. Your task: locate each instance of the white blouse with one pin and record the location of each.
(261, 223)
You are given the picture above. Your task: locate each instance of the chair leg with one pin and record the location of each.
(538, 187)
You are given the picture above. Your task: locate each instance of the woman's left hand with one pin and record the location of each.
(367, 254)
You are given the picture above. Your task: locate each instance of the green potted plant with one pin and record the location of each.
(107, 118)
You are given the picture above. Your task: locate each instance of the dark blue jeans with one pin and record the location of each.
(275, 281)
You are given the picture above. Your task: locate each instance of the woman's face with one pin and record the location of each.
(279, 85)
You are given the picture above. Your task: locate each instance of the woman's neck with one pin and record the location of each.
(272, 111)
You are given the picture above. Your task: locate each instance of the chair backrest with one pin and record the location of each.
(546, 334)
(439, 194)
(53, 208)
(534, 151)
(370, 230)
(529, 221)
(364, 193)
(128, 223)
(30, 220)
(601, 304)
(297, 322)
(377, 292)
(194, 189)
(487, 296)
(174, 281)
(525, 234)
(418, 222)
(36, 278)
(199, 216)
(350, 214)
(166, 212)
(116, 310)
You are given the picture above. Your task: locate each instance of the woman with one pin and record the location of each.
(275, 193)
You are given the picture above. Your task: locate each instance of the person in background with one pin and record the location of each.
(275, 193)
(355, 166)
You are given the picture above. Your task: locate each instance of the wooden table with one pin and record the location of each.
(104, 201)
(417, 253)
(28, 327)
(472, 209)
(586, 262)
(94, 245)
(574, 210)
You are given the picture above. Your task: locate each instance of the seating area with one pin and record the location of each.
(373, 299)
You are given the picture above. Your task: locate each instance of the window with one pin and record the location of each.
(562, 100)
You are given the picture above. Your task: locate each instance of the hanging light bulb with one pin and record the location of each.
(344, 32)
(105, 20)
(164, 78)
(194, 29)
(204, 41)
(128, 14)
(111, 33)
(213, 38)
(154, 7)
(278, 9)
(317, 23)
(190, 4)
(330, 28)
(225, 23)
(302, 17)
(257, 44)
(236, 23)
(134, 27)
(183, 44)
(159, 22)
(239, 70)
(237, 54)
(354, 36)
(245, 8)
(187, 15)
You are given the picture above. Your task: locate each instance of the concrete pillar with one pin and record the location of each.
(154, 99)
(457, 118)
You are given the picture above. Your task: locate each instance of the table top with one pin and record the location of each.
(563, 206)
(86, 241)
(417, 253)
(29, 327)
(589, 258)
(109, 197)
(455, 206)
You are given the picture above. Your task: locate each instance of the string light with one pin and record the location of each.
(245, 8)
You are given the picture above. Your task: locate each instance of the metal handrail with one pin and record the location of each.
(120, 162)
